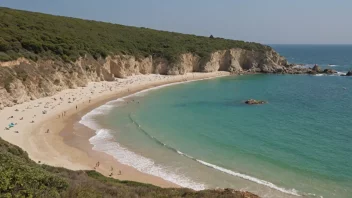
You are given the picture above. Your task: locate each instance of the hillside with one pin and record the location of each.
(22, 177)
(34, 35)
(42, 54)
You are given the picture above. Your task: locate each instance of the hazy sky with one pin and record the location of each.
(264, 21)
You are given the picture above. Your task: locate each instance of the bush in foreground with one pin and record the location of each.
(22, 177)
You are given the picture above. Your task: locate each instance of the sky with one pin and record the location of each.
(263, 21)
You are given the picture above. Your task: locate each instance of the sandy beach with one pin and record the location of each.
(48, 129)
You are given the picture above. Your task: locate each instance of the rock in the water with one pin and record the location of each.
(312, 72)
(254, 102)
(316, 68)
(329, 71)
(349, 73)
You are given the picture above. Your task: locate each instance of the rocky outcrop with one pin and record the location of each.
(316, 68)
(240, 60)
(24, 80)
(349, 73)
(329, 71)
(255, 102)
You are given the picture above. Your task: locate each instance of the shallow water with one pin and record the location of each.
(201, 135)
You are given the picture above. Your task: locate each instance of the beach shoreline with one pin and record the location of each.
(53, 139)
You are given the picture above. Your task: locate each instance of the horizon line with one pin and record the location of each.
(307, 43)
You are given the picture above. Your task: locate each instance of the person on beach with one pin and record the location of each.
(76, 107)
(47, 131)
(111, 169)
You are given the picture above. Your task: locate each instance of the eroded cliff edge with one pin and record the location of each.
(23, 80)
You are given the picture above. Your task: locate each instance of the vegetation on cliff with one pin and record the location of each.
(22, 177)
(35, 35)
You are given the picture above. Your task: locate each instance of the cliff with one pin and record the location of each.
(23, 79)
(42, 54)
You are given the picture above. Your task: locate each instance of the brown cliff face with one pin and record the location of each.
(23, 80)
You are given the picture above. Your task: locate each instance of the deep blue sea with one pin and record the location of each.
(202, 135)
(337, 57)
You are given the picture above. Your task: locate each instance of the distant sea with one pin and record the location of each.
(201, 135)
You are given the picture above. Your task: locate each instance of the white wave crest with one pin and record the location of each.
(103, 141)
(253, 179)
(341, 73)
(179, 152)
(335, 74)
(88, 120)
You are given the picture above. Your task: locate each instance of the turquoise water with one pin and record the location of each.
(201, 135)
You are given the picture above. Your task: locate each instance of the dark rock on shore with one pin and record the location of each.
(329, 71)
(254, 102)
(312, 72)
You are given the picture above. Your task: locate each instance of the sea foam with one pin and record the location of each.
(335, 74)
(253, 179)
(104, 142)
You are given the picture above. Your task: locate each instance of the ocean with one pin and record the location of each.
(201, 134)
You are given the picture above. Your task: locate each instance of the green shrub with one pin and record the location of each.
(32, 45)
(4, 45)
(21, 177)
(4, 57)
